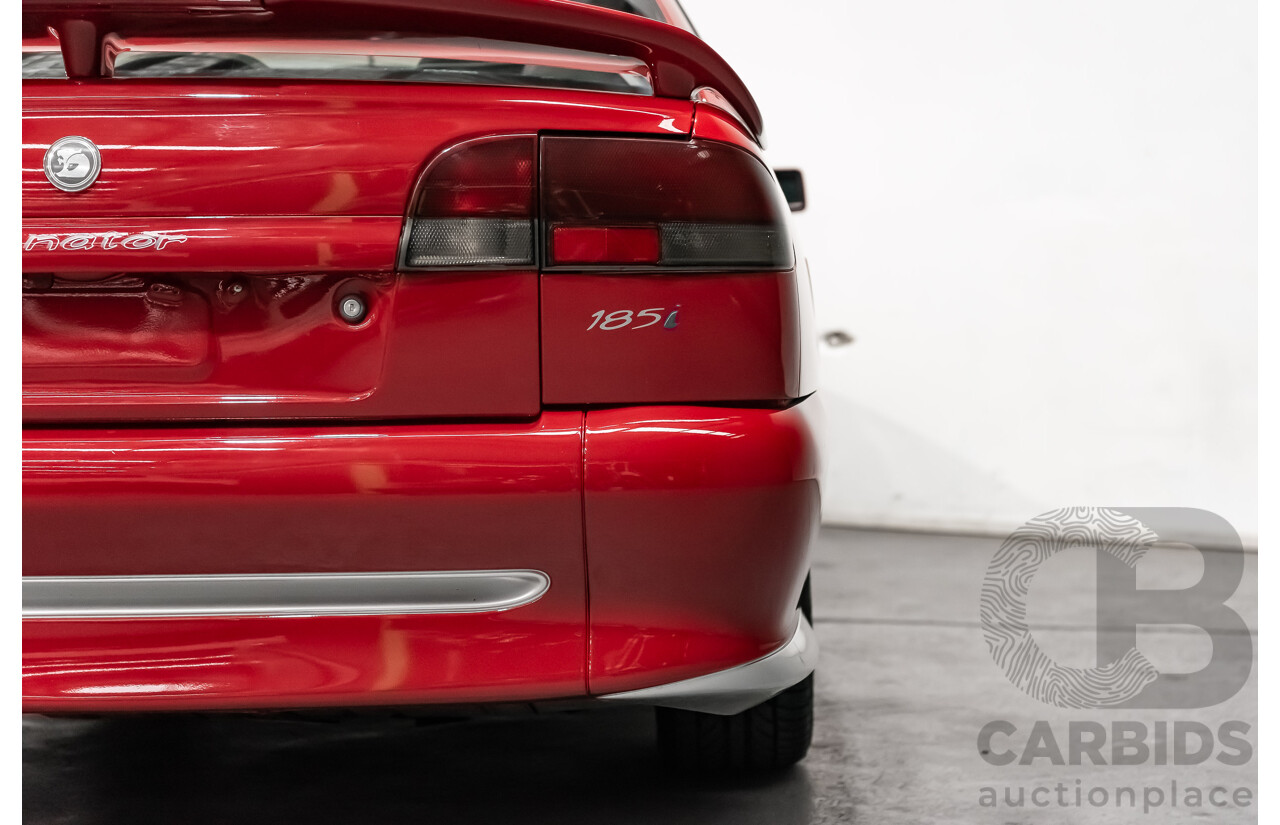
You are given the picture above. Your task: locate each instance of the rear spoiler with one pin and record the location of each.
(680, 62)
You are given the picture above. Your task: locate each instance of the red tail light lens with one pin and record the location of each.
(475, 207)
(606, 244)
(703, 204)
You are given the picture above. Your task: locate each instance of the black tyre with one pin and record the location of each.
(768, 737)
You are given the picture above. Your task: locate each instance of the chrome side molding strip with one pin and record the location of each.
(280, 594)
(734, 690)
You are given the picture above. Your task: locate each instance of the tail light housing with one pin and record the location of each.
(567, 203)
(661, 204)
(475, 206)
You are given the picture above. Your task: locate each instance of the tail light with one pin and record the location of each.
(608, 203)
(475, 207)
(619, 202)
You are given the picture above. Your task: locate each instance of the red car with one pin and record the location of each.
(412, 353)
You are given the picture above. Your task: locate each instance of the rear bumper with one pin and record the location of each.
(731, 691)
(582, 554)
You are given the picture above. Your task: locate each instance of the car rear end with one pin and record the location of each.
(406, 354)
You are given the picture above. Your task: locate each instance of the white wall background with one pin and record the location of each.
(1039, 221)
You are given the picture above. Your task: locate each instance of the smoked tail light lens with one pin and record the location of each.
(641, 202)
(475, 206)
(725, 245)
(470, 242)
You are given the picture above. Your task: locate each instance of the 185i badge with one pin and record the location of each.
(72, 164)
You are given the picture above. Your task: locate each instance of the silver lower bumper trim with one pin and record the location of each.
(279, 594)
(734, 690)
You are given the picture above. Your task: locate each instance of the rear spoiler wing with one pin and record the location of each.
(681, 63)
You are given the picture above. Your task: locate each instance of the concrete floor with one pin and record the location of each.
(904, 686)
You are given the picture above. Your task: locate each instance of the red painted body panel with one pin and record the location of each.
(185, 148)
(312, 182)
(735, 339)
(197, 407)
(169, 245)
(447, 345)
(331, 499)
(698, 532)
(697, 527)
(317, 499)
(280, 663)
(714, 119)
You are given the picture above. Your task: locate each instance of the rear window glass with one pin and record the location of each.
(275, 65)
(644, 8)
(36, 65)
(407, 60)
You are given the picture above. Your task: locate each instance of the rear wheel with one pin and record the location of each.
(768, 737)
